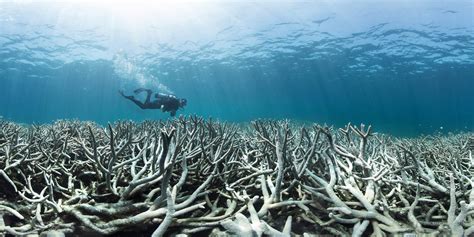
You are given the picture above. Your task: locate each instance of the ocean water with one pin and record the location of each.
(405, 67)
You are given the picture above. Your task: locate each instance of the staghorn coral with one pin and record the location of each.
(193, 176)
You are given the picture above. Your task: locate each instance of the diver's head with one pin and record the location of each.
(182, 102)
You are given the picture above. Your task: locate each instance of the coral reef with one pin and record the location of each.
(191, 176)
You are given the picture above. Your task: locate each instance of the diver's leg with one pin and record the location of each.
(139, 90)
(137, 102)
(132, 98)
(148, 95)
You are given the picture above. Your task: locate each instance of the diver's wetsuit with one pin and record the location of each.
(167, 103)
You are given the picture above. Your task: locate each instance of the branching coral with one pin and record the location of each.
(190, 176)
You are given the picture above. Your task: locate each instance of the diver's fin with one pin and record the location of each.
(139, 90)
(126, 96)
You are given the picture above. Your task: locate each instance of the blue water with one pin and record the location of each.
(406, 67)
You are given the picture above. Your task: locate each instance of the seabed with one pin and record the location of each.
(195, 177)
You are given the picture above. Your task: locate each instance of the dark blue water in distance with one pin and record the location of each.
(406, 67)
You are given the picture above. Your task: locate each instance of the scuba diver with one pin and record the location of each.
(167, 103)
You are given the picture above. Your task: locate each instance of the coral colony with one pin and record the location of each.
(191, 176)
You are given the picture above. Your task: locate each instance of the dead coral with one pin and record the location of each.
(191, 176)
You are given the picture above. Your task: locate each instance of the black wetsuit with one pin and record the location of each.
(167, 103)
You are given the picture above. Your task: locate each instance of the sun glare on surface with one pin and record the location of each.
(150, 21)
(137, 9)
